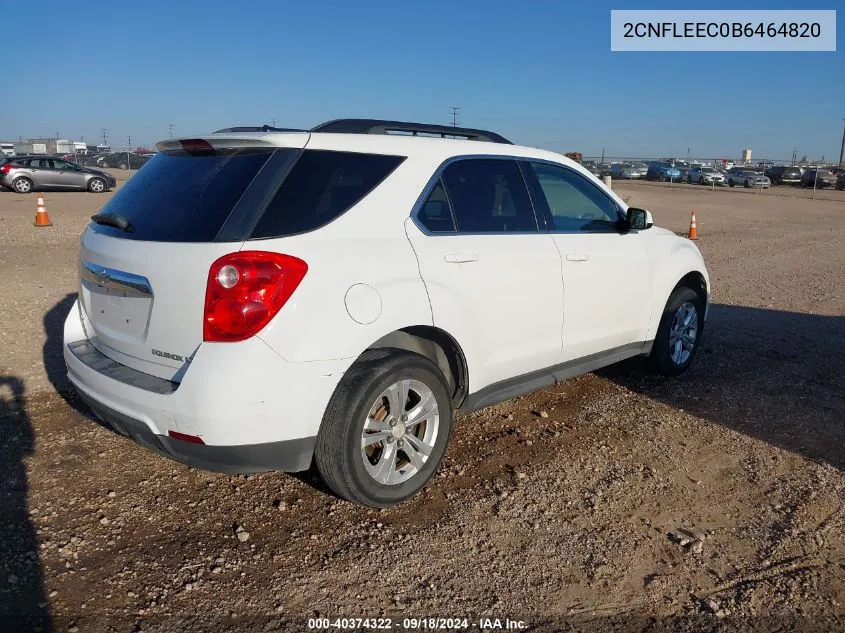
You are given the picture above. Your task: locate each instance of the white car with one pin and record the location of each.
(705, 176)
(260, 299)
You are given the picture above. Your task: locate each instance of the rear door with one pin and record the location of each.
(493, 278)
(41, 171)
(606, 275)
(142, 290)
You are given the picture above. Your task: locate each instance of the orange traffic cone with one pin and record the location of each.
(41, 216)
(693, 229)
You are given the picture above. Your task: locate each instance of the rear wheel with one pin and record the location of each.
(385, 429)
(122, 166)
(22, 185)
(701, 180)
(731, 183)
(96, 185)
(679, 332)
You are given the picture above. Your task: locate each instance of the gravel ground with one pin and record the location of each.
(617, 501)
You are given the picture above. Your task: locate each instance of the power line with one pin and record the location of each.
(455, 110)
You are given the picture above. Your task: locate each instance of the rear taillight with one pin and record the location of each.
(6, 168)
(247, 289)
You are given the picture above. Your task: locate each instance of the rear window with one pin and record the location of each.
(182, 197)
(320, 187)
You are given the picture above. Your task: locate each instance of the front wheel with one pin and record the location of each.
(730, 183)
(679, 333)
(385, 429)
(96, 185)
(701, 180)
(122, 166)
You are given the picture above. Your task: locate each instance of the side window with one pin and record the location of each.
(436, 213)
(320, 187)
(489, 195)
(574, 203)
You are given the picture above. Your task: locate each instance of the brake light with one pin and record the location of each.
(196, 145)
(246, 290)
(6, 168)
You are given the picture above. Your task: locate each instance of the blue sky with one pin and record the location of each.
(539, 72)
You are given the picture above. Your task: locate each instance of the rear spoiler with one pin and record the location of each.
(225, 141)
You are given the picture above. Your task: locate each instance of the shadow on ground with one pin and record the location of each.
(52, 354)
(770, 374)
(23, 606)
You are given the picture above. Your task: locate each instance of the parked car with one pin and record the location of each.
(840, 180)
(94, 160)
(821, 177)
(705, 176)
(663, 172)
(624, 171)
(24, 174)
(262, 301)
(125, 160)
(641, 168)
(784, 175)
(748, 178)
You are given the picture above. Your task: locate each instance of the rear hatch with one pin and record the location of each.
(144, 262)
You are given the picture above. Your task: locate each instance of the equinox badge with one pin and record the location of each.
(157, 352)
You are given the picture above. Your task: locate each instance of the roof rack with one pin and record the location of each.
(263, 128)
(376, 126)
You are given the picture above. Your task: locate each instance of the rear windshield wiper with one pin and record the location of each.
(114, 219)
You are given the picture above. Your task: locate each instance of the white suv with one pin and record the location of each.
(266, 299)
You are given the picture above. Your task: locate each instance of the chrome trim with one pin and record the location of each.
(438, 173)
(104, 277)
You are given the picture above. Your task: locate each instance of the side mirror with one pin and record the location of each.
(638, 219)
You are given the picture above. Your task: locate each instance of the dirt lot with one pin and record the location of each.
(618, 501)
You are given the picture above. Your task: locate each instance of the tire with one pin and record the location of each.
(746, 185)
(122, 166)
(665, 358)
(97, 185)
(689, 180)
(730, 183)
(22, 185)
(350, 469)
(701, 180)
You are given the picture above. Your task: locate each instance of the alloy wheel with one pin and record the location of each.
(683, 333)
(400, 432)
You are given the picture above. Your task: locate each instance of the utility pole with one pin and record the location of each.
(842, 151)
(602, 155)
(128, 163)
(273, 121)
(170, 125)
(455, 110)
(105, 136)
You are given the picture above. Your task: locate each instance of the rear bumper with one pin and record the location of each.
(252, 409)
(287, 455)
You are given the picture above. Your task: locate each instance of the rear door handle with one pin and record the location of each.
(577, 257)
(460, 258)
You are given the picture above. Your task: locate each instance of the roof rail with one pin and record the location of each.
(377, 126)
(263, 128)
